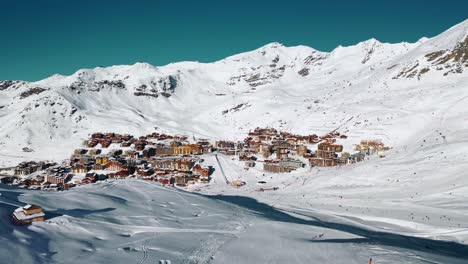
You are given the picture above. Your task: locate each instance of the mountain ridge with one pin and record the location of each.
(277, 82)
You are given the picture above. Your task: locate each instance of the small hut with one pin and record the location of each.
(27, 214)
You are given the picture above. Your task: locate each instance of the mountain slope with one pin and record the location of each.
(371, 89)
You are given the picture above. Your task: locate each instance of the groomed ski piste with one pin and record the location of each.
(408, 207)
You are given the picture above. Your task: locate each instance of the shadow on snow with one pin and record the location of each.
(445, 248)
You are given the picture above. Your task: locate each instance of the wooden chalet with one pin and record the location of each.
(27, 215)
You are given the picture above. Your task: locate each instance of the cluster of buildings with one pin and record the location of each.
(29, 167)
(155, 157)
(283, 152)
(174, 160)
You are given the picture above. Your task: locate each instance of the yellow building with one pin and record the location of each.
(102, 160)
(189, 149)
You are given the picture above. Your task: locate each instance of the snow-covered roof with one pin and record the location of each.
(20, 215)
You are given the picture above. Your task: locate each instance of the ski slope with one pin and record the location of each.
(409, 206)
(140, 222)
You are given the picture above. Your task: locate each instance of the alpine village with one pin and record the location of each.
(176, 161)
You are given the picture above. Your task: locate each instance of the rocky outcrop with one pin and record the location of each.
(10, 84)
(32, 91)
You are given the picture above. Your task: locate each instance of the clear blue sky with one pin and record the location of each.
(42, 37)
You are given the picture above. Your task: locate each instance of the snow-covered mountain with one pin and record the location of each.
(396, 92)
(408, 207)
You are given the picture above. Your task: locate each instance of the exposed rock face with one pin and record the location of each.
(32, 91)
(260, 75)
(451, 61)
(303, 72)
(96, 86)
(459, 54)
(315, 59)
(164, 86)
(9, 84)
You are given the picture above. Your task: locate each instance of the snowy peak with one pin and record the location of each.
(443, 55)
(448, 39)
(298, 88)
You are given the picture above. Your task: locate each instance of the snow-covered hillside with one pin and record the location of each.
(135, 221)
(395, 92)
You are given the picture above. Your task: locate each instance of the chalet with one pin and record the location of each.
(370, 147)
(126, 137)
(116, 166)
(204, 172)
(140, 145)
(92, 143)
(181, 180)
(109, 135)
(254, 136)
(79, 168)
(291, 163)
(313, 139)
(225, 144)
(26, 168)
(323, 162)
(184, 165)
(265, 149)
(281, 153)
(84, 159)
(275, 167)
(99, 166)
(325, 154)
(57, 179)
(116, 140)
(301, 150)
(57, 170)
(142, 172)
(105, 143)
(28, 214)
(330, 147)
(161, 163)
(358, 157)
(125, 144)
(118, 175)
(206, 146)
(131, 154)
(163, 150)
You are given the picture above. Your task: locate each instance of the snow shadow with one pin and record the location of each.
(443, 248)
(76, 212)
(10, 235)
